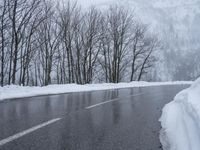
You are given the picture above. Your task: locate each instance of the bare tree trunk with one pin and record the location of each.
(3, 26)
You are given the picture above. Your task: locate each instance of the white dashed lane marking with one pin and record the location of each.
(112, 100)
(25, 132)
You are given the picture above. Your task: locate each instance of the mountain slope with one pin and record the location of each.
(177, 25)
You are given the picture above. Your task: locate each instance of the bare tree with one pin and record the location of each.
(67, 23)
(43, 42)
(118, 23)
(48, 42)
(28, 51)
(3, 27)
(148, 58)
(90, 41)
(20, 14)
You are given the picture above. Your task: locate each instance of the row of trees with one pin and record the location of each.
(43, 42)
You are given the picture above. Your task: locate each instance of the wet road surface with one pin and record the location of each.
(123, 119)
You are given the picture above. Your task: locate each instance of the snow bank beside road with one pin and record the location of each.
(180, 121)
(14, 91)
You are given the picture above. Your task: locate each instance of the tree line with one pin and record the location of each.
(45, 42)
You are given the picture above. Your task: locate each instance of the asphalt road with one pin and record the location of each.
(123, 119)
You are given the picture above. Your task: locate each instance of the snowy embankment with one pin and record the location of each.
(14, 91)
(180, 121)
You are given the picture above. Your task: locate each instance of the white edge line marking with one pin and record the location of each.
(112, 100)
(23, 133)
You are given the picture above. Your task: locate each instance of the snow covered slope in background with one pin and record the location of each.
(180, 121)
(181, 18)
(177, 24)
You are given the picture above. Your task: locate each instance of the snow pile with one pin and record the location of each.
(14, 91)
(180, 121)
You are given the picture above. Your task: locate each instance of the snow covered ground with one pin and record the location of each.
(180, 121)
(14, 91)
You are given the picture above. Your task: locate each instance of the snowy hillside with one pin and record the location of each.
(176, 23)
(180, 17)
